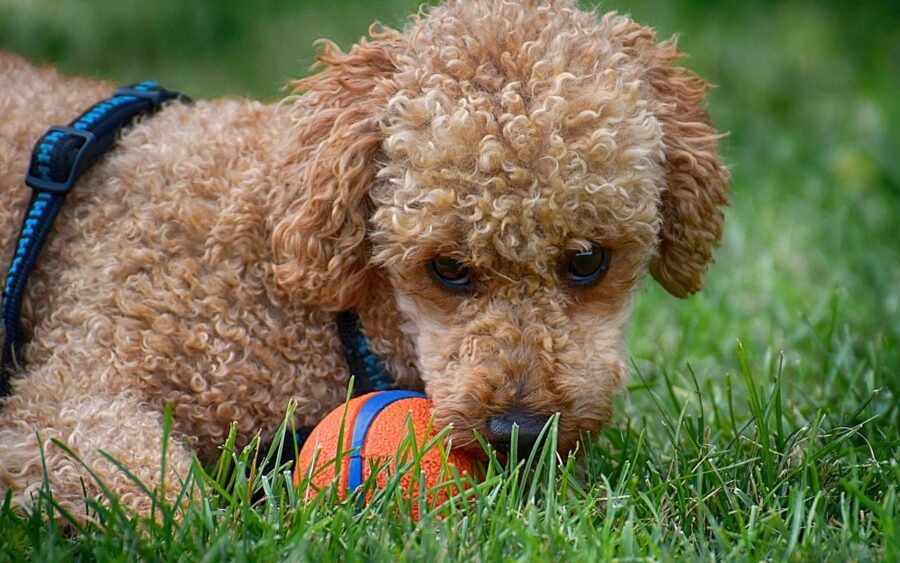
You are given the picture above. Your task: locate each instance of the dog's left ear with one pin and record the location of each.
(326, 165)
(697, 178)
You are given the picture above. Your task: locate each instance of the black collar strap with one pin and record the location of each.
(60, 157)
(368, 372)
(366, 368)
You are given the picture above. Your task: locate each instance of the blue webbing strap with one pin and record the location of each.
(364, 418)
(59, 158)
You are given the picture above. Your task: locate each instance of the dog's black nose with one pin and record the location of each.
(500, 427)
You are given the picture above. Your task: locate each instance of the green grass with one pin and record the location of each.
(763, 417)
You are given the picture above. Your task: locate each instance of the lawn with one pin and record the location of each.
(762, 420)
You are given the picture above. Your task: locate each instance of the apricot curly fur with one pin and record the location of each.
(200, 263)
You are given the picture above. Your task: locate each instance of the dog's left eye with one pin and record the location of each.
(587, 266)
(451, 273)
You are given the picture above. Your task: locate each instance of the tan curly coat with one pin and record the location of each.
(201, 262)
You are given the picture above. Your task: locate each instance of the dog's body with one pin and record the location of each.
(201, 263)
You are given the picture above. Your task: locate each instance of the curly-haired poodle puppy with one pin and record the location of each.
(485, 188)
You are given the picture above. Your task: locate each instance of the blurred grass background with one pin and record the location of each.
(808, 90)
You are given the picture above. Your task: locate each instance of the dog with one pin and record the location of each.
(485, 188)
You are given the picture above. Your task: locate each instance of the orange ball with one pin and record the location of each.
(374, 429)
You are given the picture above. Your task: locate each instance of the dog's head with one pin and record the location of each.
(512, 169)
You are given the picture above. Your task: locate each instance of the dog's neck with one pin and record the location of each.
(379, 317)
(381, 323)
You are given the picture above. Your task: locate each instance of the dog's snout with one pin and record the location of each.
(500, 430)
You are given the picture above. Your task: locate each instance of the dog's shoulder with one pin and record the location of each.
(42, 95)
(32, 98)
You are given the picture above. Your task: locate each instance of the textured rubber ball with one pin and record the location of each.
(374, 429)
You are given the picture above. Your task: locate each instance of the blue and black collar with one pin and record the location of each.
(59, 158)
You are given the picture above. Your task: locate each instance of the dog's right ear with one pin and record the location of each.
(325, 167)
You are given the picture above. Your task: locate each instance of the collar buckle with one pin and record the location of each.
(39, 175)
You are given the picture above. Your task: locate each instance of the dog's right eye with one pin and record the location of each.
(588, 266)
(451, 273)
